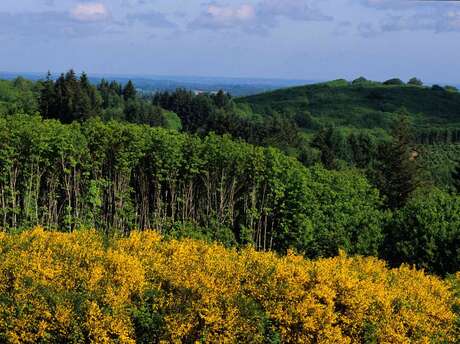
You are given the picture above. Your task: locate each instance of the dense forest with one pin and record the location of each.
(341, 169)
(103, 156)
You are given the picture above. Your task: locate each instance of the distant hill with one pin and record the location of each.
(361, 104)
(150, 84)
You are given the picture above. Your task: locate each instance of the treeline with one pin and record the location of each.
(218, 113)
(116, 177)
(438, 136)
(72, 98)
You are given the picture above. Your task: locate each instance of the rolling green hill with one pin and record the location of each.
(363, 104)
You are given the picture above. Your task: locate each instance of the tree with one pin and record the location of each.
(360, 80)
(426, 233)
(456, 177)
(415, 82)
(324, 142)
(47, 97)
(363, 149)
(129, 91)
(221, 99)
(397, 167)
(394, 82)
(437, 88)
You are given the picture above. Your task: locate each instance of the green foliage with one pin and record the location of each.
(218, 113)
(362, 104)
(70, 98)
(456, 178)
(129, 91)
(18, 96)
(415, 82)
(334, 194)
(439, 161)
(359, 81)
(172, 121)
(328, 143)
(397, 170)
(106, 174)
(394, 82)
(437, 88)
(147, 321)
(116, 177)
(426, 233)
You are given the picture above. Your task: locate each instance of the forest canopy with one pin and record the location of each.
(246, 171)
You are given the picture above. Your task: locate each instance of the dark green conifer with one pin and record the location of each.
(129, 91)
(398, 168)
(456, 177)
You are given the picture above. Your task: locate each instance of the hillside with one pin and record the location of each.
(362, 104)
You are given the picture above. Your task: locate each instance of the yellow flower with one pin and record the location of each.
(73, 288)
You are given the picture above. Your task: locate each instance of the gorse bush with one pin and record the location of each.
(79, 288)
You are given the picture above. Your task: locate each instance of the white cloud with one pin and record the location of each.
(90, 12)
(224, 16)
(243, 12)
(447, 21)
(434, 16)
(256, 18)
(300, 10)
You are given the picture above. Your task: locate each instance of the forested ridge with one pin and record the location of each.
(259, 181)
(364, 104)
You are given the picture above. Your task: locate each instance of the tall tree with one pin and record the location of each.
(456, 177)
(129, 91)
(415, 82)
(397, 166)
(47, 97)
(325, 143)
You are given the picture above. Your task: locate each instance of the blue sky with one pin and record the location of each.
(295, 39)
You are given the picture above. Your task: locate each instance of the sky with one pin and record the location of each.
(290, 39)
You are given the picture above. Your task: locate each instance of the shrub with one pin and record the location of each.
(75, 288)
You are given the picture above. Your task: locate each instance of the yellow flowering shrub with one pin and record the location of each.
(80, 288)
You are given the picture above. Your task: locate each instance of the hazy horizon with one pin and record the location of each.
(255, 39)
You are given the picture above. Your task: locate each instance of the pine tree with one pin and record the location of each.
(48, 98)
(59, 106)
(70, 93)
(221, 99)
(129, 91)
(456, 177)
(116, 88)
(398, 168)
